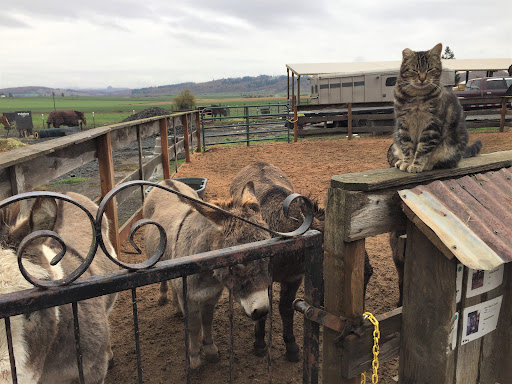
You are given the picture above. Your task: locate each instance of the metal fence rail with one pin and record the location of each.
(245, 124)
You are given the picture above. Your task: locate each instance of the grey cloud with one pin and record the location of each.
(11, 22)
(59, 10)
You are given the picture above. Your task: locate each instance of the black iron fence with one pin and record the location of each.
(245, 123)
(73, 289)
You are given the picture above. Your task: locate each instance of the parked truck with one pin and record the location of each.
(486, 87)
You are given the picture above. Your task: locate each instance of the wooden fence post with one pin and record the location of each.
(295, 125)
(343, 281)
(503, 114)
(198, 131)
(184, 121)
(349, 121)
(164, 144)
(106, 169)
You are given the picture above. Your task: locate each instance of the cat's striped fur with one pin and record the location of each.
(430, 130)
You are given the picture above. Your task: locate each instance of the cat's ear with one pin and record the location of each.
(406, 53)
(437, 50)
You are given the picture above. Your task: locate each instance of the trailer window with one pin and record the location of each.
(335, 85)
(358, 83)
(345, 85)
(324, 86)
(316, 88)
(391, 81)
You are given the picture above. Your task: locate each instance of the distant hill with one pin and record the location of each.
(45, 91)
(247, 85)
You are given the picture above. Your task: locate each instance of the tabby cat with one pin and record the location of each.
(430, 130)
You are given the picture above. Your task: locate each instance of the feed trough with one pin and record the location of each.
(198, 184)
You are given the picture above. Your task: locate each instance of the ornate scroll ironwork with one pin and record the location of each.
(98, 239)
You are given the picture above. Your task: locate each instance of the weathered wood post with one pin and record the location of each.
(360, 206)
(184, 121)
(164, 144)
(456, 319)
(349, 121)
(106, 170)
(503, 113)
(198, 131)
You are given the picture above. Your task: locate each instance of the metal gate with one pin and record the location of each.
(71, 289)
(245, 124)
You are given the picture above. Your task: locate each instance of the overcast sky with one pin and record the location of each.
(134, 43)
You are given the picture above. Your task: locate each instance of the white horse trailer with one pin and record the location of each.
(361, 87)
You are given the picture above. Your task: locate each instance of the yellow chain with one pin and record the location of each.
(376, 337)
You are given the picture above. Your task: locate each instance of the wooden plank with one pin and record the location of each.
(503, 346)
(295, 124)
(106, 170)
(349, 122)
(42, 170)
(357, 353)
(343, 282)
(164, 144)
(34, 151)
(391, 177)
(467, 355)
(371, 213)
(124, 232)
(5, 183)
(184, 121)
(128, 135)
(496, 352)
(17, 178)
(198, 131)
(503, 114)
(429, 233)
(429, 291)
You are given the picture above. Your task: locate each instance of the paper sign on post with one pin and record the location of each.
(480, 281)
(480, 319)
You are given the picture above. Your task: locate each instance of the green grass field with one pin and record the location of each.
(111, 109)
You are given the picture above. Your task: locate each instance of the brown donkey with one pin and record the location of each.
(271, 188)
(44, 341)
(193, 228)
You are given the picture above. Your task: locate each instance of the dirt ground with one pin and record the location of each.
(309, 165)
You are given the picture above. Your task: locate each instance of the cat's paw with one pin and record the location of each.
(415, 168)
(402, 165)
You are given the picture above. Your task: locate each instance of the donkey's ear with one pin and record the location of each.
(43, 214)
(249, 198)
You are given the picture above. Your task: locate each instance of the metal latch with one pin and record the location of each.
(336, 323)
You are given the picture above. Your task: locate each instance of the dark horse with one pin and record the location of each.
(5, 122)
(68, 118)
(271, 188)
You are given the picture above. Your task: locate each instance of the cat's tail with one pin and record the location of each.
(473, 149)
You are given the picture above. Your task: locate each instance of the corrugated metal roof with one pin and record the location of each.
(471, 215)
(343, 68)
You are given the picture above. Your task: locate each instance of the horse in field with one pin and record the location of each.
(44, 341)
(5, 122)
(67, 118)
(194, 228)
(271, 189)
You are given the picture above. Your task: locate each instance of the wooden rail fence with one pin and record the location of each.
(27, 168)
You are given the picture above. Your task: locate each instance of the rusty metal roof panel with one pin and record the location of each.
(471, 215)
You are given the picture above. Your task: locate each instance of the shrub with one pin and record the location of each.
(185, 100)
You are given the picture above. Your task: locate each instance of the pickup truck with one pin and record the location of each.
(485, 87)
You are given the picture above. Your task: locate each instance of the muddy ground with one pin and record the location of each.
(309, 165)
